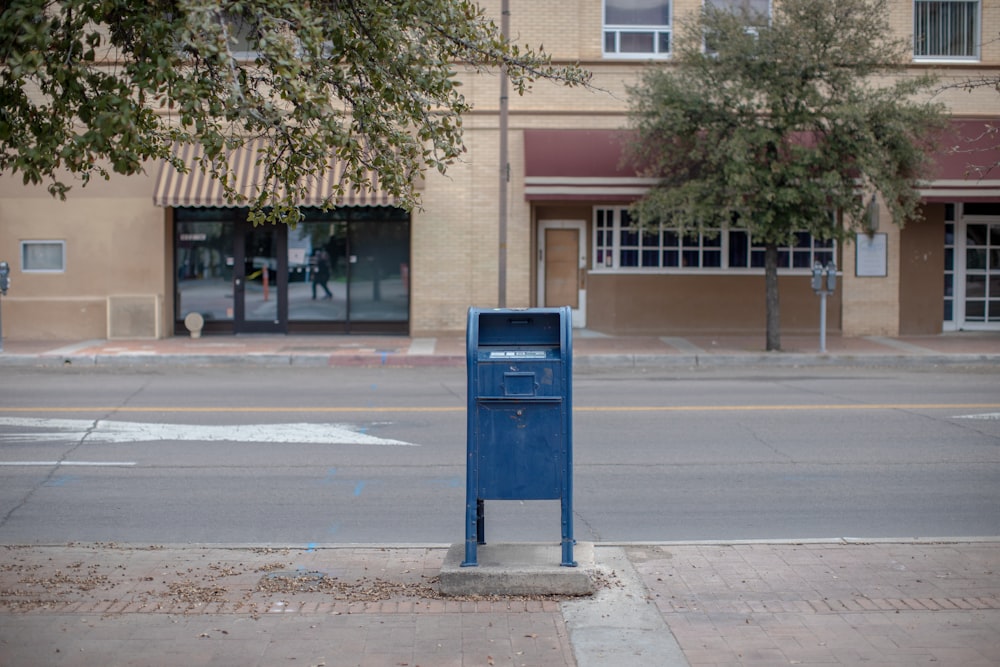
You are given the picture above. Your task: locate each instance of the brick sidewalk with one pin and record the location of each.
(107, 605)
(835, 603)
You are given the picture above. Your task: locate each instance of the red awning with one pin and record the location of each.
(961, 170)
(575, 165)
(586, 165)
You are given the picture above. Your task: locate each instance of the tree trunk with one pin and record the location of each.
(771, 298)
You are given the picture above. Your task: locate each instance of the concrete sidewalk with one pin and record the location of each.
(590, 349)
(833, 602)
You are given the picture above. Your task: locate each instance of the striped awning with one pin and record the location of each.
(198, 189)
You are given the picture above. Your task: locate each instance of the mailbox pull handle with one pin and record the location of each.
(519, 321)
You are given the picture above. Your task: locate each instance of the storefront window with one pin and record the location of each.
(204, 264)
(337, 271)
(618, 244)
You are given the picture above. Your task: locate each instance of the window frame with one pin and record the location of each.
(977, 28)
(239, 31)
(750, 28)
(768, 14)
(29, 243)
(658, 31)
(611, 238)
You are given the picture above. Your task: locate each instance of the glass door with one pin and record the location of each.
(260, 279)
(972, 267)
(982, 275)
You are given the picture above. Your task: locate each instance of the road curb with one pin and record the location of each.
(594, 361)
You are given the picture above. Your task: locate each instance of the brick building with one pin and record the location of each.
(135, 257)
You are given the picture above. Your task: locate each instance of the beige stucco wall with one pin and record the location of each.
(114, 248)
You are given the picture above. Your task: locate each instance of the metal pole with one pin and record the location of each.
(822, 322)
(504, 166)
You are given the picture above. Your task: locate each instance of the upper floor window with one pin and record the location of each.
(757, 14)
(758, 11)
(242, 35)
(637, 28)
(946, 29)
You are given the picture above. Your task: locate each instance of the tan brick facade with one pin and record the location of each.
(119, 244)
(571, 32)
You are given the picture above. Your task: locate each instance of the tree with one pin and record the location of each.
(95, 87)
(779, 127)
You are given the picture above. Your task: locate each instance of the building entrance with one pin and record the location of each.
(972, 267)
(260, 280)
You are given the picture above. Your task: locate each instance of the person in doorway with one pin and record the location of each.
(319, 265)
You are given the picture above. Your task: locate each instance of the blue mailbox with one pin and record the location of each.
(519, 415)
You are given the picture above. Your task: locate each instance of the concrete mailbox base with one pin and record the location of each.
(518, 569)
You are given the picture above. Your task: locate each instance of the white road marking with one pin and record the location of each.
(993, 416)
(118, 432)
(91, 464)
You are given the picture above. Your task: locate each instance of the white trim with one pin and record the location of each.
(944, 60)
(960, 274)
(586, 191)
(956, 195)
(638, 186)
(587, 186)
(961, 182)
(977, 57)
(616, 181)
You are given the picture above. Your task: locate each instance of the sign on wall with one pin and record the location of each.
(871, 256)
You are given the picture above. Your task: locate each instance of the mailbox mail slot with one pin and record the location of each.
(519, 415)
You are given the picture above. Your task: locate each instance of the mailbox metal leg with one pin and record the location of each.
(567, 533)
(470, 554)
(470, 549)
(475, 526)
(473, 510)
(480, 521)
(473, 514)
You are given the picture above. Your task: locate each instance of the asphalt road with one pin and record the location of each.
(303, 456)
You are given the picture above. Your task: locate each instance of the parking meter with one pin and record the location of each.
(822, 289)
(817, 278)
(4, 284)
